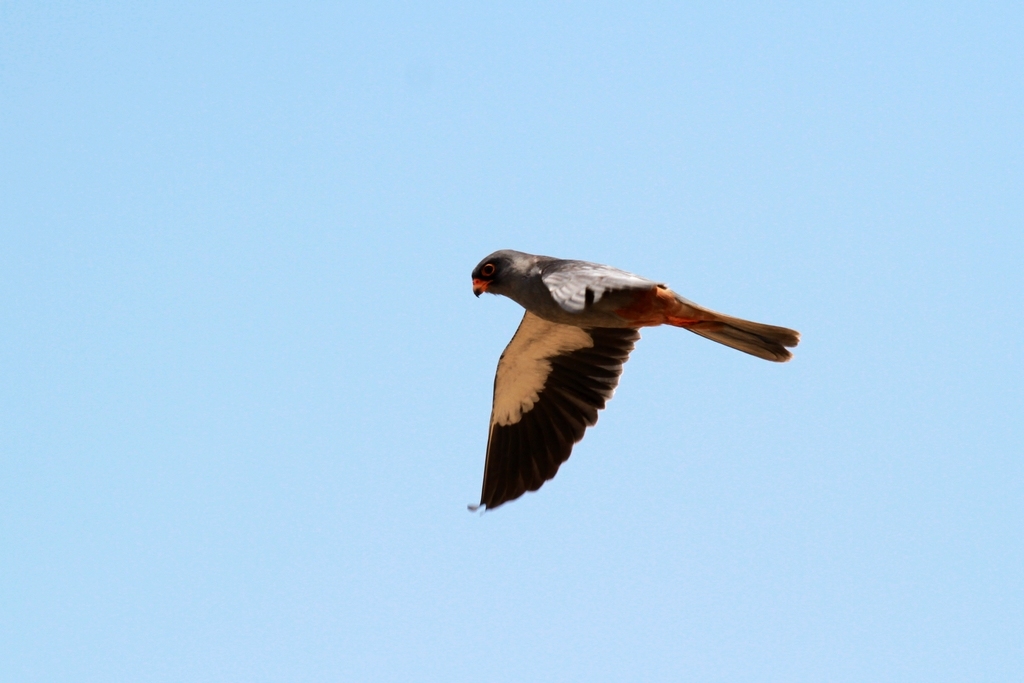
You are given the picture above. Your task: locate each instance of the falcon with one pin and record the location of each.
(563, 363)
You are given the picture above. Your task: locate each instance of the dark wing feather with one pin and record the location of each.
(559, 377)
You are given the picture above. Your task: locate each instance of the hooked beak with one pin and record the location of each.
(480, 286)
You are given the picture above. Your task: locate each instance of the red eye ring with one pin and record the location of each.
(487, 270)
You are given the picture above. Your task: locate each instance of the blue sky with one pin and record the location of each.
(246, 384)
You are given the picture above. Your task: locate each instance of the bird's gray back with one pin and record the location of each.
(578, 292)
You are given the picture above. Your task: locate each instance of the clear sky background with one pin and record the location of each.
(245, 383)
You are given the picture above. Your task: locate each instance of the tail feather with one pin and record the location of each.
(764, 341)
(757, 339)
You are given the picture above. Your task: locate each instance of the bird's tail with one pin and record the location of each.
(757, 339)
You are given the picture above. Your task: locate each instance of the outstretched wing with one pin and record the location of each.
(551, 381)
(572, 283)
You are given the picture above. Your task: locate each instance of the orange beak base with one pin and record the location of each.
(480, 286)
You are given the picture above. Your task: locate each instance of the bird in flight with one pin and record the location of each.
(563, 363)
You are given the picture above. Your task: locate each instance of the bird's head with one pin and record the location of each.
(494, 273)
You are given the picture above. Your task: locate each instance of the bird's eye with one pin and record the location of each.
(487, 270)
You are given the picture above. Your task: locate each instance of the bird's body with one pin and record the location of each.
(565, 359)
(546, 278)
